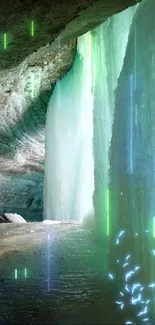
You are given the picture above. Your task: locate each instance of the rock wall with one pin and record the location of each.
(24, 94)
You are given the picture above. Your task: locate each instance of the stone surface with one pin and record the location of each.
(24, 95)
(50, 19)
(29, 69)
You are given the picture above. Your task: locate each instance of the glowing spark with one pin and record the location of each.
(121, 293)
(32, 28)
(124, 265)
(126, 288)
(111, 276)
(147, 302)
(152, 285)
(5, 41)
(135, 300)
(142, 289)
(16, 274)
(107, 201)
(117, 241)
(25, 272)
(135, 286)
(128, 275)
(143, 312)
(128, 257)
(48, 262)
(121, 233)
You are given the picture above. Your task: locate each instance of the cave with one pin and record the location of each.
(77, 164)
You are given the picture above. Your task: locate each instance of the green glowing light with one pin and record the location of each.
(154, 227)
(32, 28)
(16, 274)
(107, 206)
(25, 272)
(5, 41)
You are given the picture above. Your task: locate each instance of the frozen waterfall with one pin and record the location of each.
(69, 166)
(79, 125)
(109, 42)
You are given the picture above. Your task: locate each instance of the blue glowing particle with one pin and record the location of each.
(142, 288)
(145, 319)
(147, 302)
(134, 301)
(129, 322)
(126, 288)
(153, 251)
(137, 268)
(152, 285)
(135, 286)
(128, 275)
(128, 257)
(117, 241)
(121, 233)
(143, 312)
(122, 294)
(119, 302)
(125, 264)
(111, 276)
(122, 306)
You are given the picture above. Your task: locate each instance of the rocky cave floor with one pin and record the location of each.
(53, 274)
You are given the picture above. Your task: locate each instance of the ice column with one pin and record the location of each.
(69, 166)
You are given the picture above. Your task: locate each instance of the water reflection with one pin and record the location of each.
(59, 280)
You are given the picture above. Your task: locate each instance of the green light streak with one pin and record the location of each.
(154, 227)
(16, 274)
(25, 272)
(32, 28)
(5, 41)
(108, 217)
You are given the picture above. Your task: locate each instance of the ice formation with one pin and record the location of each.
(69, 179)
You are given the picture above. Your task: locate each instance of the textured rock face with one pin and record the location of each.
(27, 79)
(24, 94)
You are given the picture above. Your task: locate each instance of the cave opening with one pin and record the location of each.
(82, 126)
